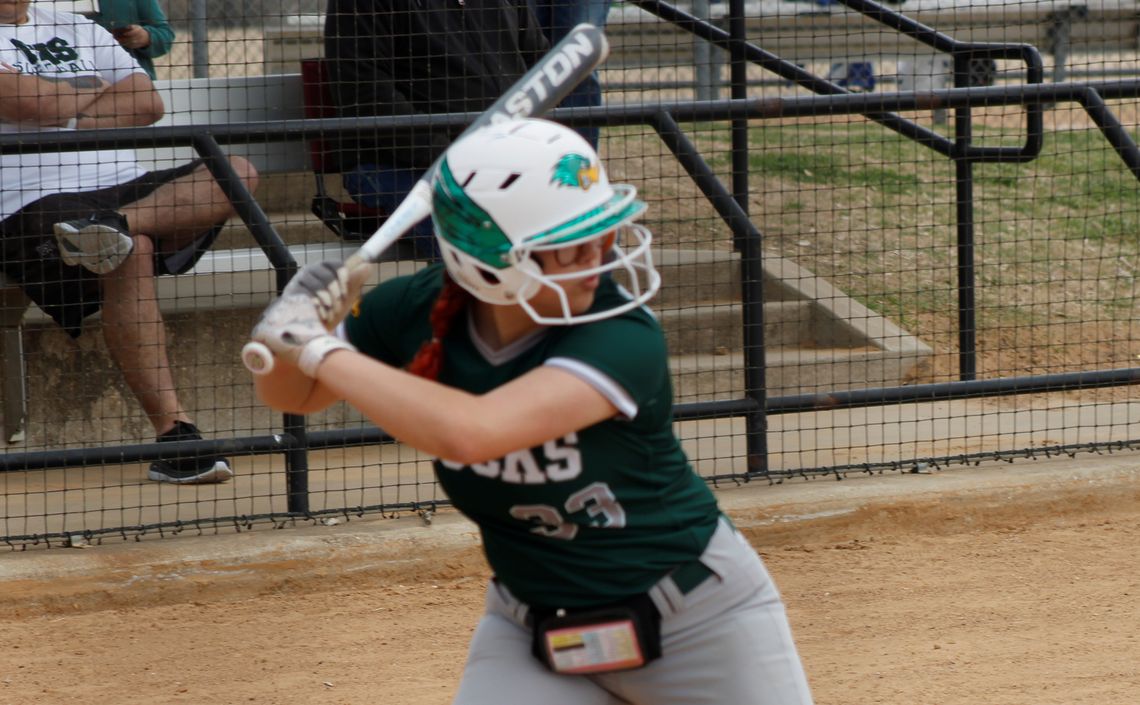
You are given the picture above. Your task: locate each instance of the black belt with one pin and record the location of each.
(688, 576)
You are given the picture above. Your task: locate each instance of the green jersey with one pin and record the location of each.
(589, 518)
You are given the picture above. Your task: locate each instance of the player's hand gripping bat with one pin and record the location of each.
(566, 65)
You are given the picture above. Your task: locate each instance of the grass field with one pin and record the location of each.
(1054, 240)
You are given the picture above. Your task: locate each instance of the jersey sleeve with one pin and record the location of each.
(628, 351)
(370, 325)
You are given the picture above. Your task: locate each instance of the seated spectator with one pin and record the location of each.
(431, 56)
(87, 230)
(140, 27)
(557, 18)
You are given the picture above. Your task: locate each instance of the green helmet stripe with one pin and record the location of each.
(465, 225)
(578, 228)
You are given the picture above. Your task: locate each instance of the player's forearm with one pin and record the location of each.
(437, 419)
(287, 389)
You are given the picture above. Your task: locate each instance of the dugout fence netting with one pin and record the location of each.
(942, 275)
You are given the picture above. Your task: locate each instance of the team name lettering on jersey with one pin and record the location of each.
(53, 56)
(558, 461)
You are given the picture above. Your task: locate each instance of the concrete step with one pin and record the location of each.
(789, 371)
(820, 370)
(704, 377)
(698, 303)
(716, 327)
(690, 276)
(710, 328)
(788, 323)
(294, 227)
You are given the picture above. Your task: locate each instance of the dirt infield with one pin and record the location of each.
(1011, 584)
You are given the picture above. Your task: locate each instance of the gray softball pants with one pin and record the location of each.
(726, 642)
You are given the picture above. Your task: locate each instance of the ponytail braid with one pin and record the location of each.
(429, 358)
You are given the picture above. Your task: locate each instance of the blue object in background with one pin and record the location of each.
(854, 75)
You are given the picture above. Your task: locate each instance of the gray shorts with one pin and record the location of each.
(30, 256)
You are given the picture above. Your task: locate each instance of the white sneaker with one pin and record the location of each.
(98, 243)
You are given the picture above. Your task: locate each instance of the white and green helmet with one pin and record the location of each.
(511, 189)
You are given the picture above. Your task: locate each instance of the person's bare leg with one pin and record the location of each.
(178, 212)
(174, 214)
(136, 336)
(171, 217)
(166, 222)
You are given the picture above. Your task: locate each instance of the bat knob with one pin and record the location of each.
(257, 358)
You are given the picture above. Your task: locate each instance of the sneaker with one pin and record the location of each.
(99, 243)
(188, 470)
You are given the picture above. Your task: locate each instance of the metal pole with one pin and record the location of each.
(296, 465)
(199, 35)
(964, 182)
(739, 84)
(751, 283)
(702, 55)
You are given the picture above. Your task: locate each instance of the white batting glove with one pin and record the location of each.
(333, 288)
(291, 327)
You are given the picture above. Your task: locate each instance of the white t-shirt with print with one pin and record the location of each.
(61, 44)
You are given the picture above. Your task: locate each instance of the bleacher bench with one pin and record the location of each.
(222, 279)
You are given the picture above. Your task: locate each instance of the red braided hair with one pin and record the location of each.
(429, 358)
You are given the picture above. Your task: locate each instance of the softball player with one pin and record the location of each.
(542, 385)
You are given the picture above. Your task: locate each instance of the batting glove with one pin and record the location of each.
(291, 327)
(333, 288)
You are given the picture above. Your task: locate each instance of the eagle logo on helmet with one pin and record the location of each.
(575, 171)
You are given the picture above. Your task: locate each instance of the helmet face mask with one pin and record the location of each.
(510, 190)
(631, 264)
